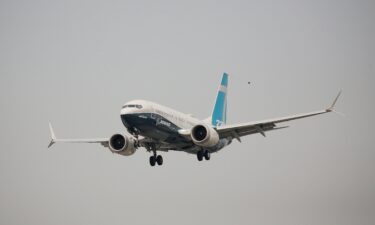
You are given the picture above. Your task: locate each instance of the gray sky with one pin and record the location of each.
(76, 62)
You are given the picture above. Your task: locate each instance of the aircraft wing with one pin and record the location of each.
(239, 130)
(144, 142)
(102, 141)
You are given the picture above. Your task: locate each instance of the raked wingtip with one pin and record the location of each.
(331, 108)
(53, 136)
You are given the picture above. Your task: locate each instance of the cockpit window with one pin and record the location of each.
(132, 106)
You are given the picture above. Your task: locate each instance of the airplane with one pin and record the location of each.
(161, 129)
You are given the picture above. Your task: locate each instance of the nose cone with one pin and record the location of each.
(132, 113)
(133, 120)
(126, 119)
(128, 116)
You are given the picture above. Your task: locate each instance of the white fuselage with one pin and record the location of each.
(163, 124)
(182, 120)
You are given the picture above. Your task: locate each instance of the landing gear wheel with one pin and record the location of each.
(207, 155)
(152, 160)
(200, 155)
(159, 160)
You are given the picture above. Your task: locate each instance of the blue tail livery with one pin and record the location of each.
(219, 114)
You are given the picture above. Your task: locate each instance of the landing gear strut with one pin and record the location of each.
(203, 154)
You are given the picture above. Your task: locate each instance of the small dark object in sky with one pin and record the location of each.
(248, 82)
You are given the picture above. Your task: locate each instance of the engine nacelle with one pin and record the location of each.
(122, 144)
(205, 136)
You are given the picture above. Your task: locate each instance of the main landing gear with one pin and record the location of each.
(156, 159)
(203, 154)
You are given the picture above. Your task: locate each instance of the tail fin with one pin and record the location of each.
(219, 113)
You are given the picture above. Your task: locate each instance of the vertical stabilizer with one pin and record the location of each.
(219, 113)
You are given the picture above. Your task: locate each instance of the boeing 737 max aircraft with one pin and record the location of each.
(159, 128)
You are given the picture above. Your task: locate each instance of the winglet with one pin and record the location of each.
(331, 109)
(53, 136)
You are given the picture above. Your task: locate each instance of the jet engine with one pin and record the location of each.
(205, 136)
(122, 144)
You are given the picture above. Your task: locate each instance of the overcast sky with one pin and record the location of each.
(75, 63)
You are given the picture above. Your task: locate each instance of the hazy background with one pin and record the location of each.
(75, 63)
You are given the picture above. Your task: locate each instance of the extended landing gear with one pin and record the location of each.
(203, 154)
(156, 159)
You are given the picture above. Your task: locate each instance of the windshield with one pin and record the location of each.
(132, 106)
